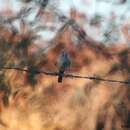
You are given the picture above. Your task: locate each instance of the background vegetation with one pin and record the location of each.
(30, 100)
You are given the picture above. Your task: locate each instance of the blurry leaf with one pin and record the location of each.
(2, 77)
(3, 85)
(127, 122)
(24, 12)
(14, 30)
(117, 2)
(124, 52)
(36, 37)
(24, 43)
(112, 25)
(100, 124)
(82, 35)
(31, 75)
(114, 68)
(26, 1)
(6, 100)
(111, 36)
(96, 20)
(123, 57)
(107, 36)
(5, 89)
(4, 47)
(123, 1)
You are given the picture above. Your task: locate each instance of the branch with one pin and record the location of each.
(66, 75)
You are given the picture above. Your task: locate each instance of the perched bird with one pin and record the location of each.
(63, 62)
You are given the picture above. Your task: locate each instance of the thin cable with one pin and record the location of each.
(67, 75)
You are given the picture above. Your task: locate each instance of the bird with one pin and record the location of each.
(63, 62)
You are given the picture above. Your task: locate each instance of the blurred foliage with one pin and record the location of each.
(115, 2)
(5, 89)
(107, 36)
(31, 76)
(5, 57)
(124, 53)
(96, 20)
(26, 1)
(86, 102)
(23, 43)
(43, 3)
(124, 58)
(115, 68)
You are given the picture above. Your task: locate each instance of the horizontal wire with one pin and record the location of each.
(67, 75)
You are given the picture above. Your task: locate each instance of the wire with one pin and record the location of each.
(67, 75)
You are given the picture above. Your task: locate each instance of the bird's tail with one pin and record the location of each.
(61, 74)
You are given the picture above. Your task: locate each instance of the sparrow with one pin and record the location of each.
(63, 62)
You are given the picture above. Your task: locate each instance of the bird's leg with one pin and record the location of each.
(61, 74)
